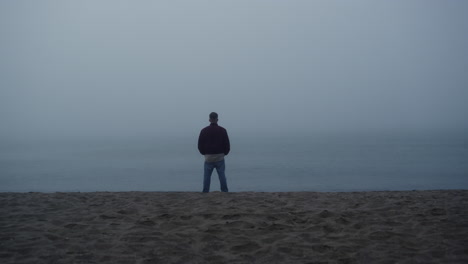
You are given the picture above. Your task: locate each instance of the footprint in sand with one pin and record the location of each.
(240, 224)
(107, 216)
(292, 251)
(75, 226)
(147, 222)
(231, 217)
(325, 214)
(321, 248)
(185, 217)
(381, 235)
(343, 221)
(246, 247)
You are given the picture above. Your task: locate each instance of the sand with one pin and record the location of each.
(247, 227)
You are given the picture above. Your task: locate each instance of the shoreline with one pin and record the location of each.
(230, 192)
(429, 226)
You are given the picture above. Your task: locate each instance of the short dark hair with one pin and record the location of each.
(213, 116)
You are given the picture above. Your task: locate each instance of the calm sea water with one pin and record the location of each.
(281, 163)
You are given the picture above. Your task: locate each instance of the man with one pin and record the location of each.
(213, 142)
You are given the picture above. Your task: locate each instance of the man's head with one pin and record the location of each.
(213, 117)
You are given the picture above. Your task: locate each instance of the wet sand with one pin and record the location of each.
(247, 227)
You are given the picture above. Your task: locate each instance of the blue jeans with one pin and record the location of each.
(220, 167)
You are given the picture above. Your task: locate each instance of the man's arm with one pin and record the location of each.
(227, 144)
(201, 143)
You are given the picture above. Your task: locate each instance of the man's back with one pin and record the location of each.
(213, 139)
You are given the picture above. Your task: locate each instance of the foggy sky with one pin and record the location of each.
(123, 68)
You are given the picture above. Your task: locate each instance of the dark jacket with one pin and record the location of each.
(213, 139)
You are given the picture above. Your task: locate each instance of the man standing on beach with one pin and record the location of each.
(213, 142)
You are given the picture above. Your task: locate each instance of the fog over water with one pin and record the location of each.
(315, 95)
(154, 68)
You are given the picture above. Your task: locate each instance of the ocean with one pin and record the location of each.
(316, 162)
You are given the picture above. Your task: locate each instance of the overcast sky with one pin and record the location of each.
(83, 68)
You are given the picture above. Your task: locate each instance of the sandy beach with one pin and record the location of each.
(246, 227)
